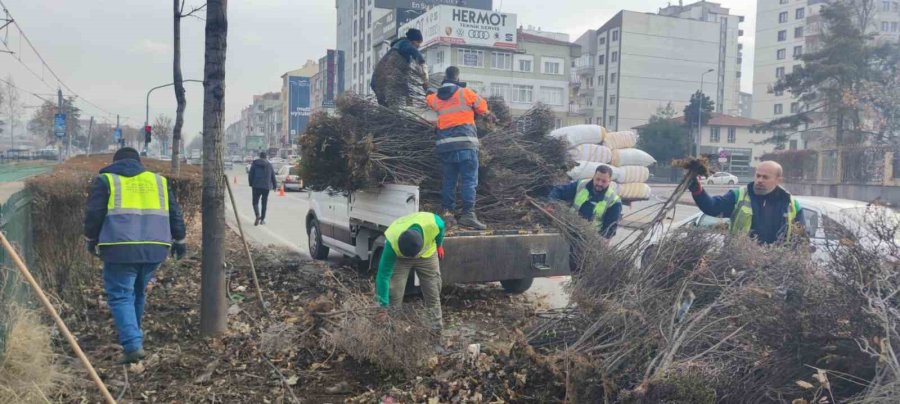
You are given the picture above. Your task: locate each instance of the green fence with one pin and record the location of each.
(15, 222)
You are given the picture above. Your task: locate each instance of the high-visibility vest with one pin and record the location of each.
(430, 231)
(457, 110)
(742, 215)
(582, 195)
(137, 212)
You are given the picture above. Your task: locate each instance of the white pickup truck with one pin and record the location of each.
(353, 225)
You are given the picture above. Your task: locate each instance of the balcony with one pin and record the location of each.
(586, 92)
(585, 70)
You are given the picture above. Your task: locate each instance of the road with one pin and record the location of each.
(285, 225)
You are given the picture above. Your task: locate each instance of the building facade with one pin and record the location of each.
(785, 30)
(296, 91)
(328, 82)
(356, 24)
(638, 62)
(745, 105)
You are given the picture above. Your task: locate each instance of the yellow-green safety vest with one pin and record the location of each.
(137, 211)
(430, 231)
(742, 215)
(582, 195)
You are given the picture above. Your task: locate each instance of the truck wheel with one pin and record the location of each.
(317, 250)
(517, 286)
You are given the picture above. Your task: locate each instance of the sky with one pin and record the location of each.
(111, 52)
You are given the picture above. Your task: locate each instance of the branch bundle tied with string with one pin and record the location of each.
(397, 83)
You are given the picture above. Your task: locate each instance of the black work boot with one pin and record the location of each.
(256, 223)
(468, 219)
(132, 357)
(449, 219)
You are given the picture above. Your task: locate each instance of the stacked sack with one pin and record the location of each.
(592, 146)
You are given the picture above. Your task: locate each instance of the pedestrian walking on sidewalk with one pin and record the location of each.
(261, 178)
(413, 242)
(132, 222)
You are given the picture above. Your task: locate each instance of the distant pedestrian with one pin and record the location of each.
(131, 221)
(261, 178)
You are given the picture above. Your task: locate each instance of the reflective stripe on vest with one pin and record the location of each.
(137, 211)
(742, 215)
(582, 195)
(430, 231)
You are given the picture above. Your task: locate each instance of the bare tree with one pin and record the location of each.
(212, 299)
(162, 129)
(179, 80)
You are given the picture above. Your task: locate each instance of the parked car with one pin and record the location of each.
(720, 178)
(289, 176)
(827, 221)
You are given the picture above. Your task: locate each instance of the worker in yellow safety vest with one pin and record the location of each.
(131, 222)
(594, 199)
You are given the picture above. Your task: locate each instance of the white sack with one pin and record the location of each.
(591, 152)
(580, 134)
(634, 192)
(631, 157)
(584, 170)
(622, 175)
(620, 140)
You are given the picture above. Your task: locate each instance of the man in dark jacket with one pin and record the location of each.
(261, 178)
(131, 222)
(762, 209)
(387, 66)
(594, 200)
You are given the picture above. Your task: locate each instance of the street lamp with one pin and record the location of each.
(147, 104)
(700, 113)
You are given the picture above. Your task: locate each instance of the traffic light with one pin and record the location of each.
(147, 131)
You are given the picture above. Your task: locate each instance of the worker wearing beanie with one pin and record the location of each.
(408, 47)
(412, 242)
(132, 222)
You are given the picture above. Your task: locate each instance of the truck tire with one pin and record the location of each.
(517, 286)
(317, 250)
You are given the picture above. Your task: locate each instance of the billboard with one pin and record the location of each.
(255, 143)
(425, 4)
(299, 108)
(450, 25)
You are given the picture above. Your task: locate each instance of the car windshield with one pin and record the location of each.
(873, 221)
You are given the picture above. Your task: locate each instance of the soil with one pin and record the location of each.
(282, 357)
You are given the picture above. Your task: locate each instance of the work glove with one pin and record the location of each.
(694, 186)
(91, 247)
(440, 251)
(179, 249)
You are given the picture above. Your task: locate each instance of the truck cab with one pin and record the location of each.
(353, 225)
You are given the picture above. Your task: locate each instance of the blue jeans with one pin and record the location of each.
(125, 285)
(459, 164)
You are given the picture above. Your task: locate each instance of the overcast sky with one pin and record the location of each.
(110, 52)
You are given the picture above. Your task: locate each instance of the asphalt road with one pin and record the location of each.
(285, 225)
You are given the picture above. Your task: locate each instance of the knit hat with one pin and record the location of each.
(127, 153)
(414, 35)
(410, 243)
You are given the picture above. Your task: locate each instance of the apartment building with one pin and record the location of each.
(637, 62)
(785, 30)
(296, 92)
(357, 21)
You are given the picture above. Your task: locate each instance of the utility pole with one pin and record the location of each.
(90, 132)
(59, 110)
(12, 121)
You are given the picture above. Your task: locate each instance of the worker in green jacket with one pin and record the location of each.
(412, 242)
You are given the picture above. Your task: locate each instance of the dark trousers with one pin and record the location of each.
(260, 193)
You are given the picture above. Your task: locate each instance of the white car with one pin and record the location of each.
(720, 178)
(826, 220)
(288, 176)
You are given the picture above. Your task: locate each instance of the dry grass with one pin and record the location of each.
(28, 368)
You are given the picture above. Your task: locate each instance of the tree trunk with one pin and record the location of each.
(212, 304)
(179, 91)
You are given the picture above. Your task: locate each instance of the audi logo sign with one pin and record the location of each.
(465, 26)
(476, 34)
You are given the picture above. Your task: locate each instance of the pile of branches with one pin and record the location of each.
(398, 83)
(368, 145)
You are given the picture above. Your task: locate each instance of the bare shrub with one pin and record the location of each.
(28, 369)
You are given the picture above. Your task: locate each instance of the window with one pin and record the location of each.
(798, 32)
(522, 94)
(552, 95)
(894, 25)
(799, 13)
(476, 86)
(780, 54)
(602, 59)
(553, 66)
(714, 136)
(885, 6)
(369, 19)
(795, 107)
(615, 36)
(471, 58)
(732, 135)
(779, 109)
(783, 17)
(439, 58)
(612, 78)
(612, 121)
(885, 26)
(782, 35)
(603, 40)
(793, 145)
(501, 90)
(779, 72)
(601, 79)
(614, 57)
(525, 65)
(501, 60)
(612, 99)
(798, 51)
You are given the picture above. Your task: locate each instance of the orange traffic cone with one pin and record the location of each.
(281, 190)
